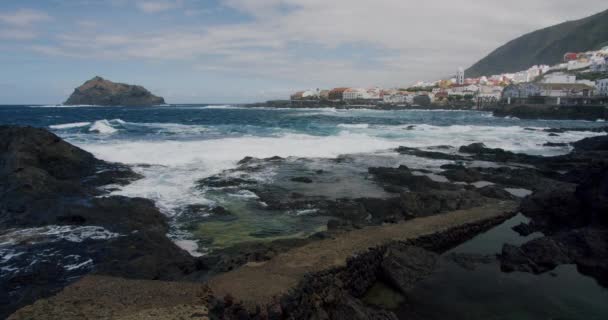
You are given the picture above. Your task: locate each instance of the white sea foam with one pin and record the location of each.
(105, 126)
(64, 106)
(225, 106)
(177, 165)
(354, 126)
(70, 125)
(54, 233)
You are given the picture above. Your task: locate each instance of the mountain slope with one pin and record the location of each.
(545, 46)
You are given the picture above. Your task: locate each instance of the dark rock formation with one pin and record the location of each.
(403, 267)
(470, 261)
(99, 91)
(302, 179)
(46, 181)
(481, 152)
(573, 217)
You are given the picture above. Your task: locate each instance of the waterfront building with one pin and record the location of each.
(559, 77)
(337, 94)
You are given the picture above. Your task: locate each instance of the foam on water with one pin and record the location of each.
(103, 127)
(70, 125)
(177, 165)
(54, 233)
(173, 166)
(354, 126)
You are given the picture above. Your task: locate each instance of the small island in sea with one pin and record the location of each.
(101, 92)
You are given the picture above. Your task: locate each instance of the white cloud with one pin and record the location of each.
(17, 34)
(401, 40)
(24, 18)
(158, 6)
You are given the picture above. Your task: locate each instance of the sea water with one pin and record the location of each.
(175, 146)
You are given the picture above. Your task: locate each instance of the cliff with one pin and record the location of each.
(545, 46)
(99, 91)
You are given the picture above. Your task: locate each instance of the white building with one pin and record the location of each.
(521, 76)
(460, 76)
(559, 77)
(601, 87)
(578, 64)
(355, 94)
(490, 92)
(398, 98)
(363, 94)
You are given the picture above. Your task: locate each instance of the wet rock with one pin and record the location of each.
(536, 256)
(592, 144)
(245, 160)
(430, 154)
(554, 209)
(225, 182)
(463, 174)
(553, 135)
(524, 229)
(423, 204)
(495, 192)
(555, 144)
(46, 181)
(403, 267)
(402, 176)
(301, 179)
(470, 261)
(480, 152)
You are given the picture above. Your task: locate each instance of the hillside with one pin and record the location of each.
(545, 46)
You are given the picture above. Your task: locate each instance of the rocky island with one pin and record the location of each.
(102, 92)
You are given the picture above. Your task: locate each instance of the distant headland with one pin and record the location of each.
(99, 91)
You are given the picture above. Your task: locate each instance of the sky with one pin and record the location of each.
(233, 51)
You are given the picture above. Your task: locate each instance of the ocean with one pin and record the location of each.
(175, 146)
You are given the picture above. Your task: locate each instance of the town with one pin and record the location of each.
(581, 79)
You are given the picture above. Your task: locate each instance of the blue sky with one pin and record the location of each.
(252, 50)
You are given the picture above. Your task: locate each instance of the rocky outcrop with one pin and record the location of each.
(102, 92)
(48, 187)
(573, 218)
(403, 267)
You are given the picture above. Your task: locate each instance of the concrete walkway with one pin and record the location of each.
(257, 283)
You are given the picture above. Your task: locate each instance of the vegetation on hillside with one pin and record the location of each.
(545, 46)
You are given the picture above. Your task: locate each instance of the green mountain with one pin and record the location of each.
(545, 46)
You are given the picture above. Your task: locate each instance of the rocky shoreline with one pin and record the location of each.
(49, 183)
(51, 207)
(590, 113)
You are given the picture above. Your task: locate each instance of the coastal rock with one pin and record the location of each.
(537, 256)
(302, 179)
(419, 204)
(99, 91)
(403, 267)
(599, 143)
(49, 187)
(403, 176)
(480, 152)
(470, 261)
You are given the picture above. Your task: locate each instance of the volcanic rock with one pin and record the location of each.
(102, 92)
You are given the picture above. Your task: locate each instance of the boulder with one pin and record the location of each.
(404, 266)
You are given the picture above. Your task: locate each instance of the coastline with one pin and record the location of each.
(399, 199)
